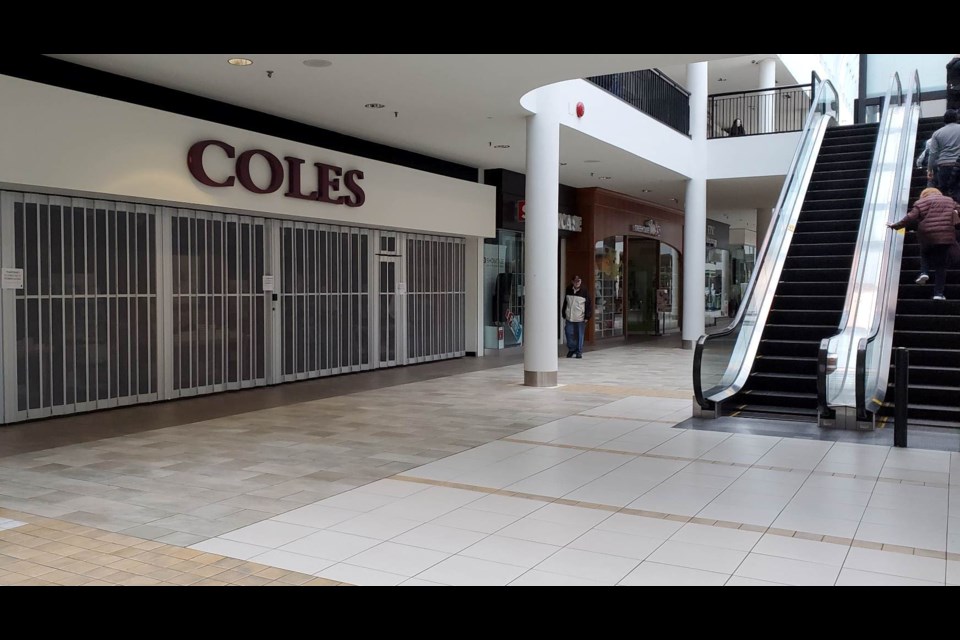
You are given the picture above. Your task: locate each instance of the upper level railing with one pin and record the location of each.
(758, 111)
(653, 93)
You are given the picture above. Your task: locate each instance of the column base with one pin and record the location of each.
(540, 378)
(689, 344)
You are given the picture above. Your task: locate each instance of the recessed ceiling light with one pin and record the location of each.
(240, 62)
(721, 79)
(501, 146)
(317, 62)
(646, 191)
(588, 161)
(605, 177)
(563, 164)
(675, 200)
(374, 105)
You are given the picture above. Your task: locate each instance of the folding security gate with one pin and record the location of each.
(78, 304)
(324, 299)
(110, 303)
(218, 311)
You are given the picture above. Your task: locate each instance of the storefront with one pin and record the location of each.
(503, 266)
(149, 256)
(629, 255)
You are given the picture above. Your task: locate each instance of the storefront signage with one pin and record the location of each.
(326, 178)
(650, 227)
(566, 222)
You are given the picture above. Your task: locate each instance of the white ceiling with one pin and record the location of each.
(454, 106)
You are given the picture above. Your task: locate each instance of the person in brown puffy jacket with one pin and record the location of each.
(933, 216)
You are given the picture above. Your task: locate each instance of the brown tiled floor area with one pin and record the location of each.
(48, 552)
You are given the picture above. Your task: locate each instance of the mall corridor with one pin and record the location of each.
(456, 474)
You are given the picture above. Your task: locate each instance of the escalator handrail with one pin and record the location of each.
(814, 115)
(885, 312)
(851, 309)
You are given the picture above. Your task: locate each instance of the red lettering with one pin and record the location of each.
(243, 171)
(195, 162)
(350, 180)
(293, 180)
(327, 183)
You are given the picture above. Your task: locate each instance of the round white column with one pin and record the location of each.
(695, 211)
(540, 252)
(767, 106)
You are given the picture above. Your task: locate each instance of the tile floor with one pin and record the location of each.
(474, 479)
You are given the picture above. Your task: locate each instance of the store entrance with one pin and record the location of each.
(641, 286)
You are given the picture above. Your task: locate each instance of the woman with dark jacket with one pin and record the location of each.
(933, 218)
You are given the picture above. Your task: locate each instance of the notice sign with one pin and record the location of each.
(11, 279)
(401, 287)
(268, 283)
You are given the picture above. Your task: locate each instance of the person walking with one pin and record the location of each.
(934, 217)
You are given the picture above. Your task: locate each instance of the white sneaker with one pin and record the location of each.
(922, 278)
(939, 298)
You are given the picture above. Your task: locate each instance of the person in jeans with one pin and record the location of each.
(577, 309)
(944, 154)
(933, 218)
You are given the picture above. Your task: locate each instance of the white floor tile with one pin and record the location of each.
(269, 533)
(545, 532)
(953, 572)
(462, 571)
(616, 543)
(417, 582)
(229, 548)
(800, 549)
(740, 540)
(855, 577)
(747, 514)
(786, 571)
(610, 491)
(439, 538)
(655, 574)
(589, 565)
(330, 545)
(537, 578)
(798, 521)
(898, 564)
(475, 520)
(683, 500)
(507, 505)
(740, 581)
(659, 528)
(316, 515)
(522, 553)
(360, 576)
(696, 556)
(292, 561)
(398, 558)
(567, 514)
(373, 525)
(904, 535)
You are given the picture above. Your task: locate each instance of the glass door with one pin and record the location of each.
(388, 312)
(642, 282)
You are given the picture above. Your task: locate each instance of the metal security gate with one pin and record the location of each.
(324, 300)
(110, 303)
(78, 304)
(217, 318)
(436, 297)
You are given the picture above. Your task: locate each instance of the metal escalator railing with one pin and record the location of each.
(874, 351)
(893, 154)
(722, 361)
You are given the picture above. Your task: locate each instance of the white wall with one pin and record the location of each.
(617, 123)
(751, 156)
(57, 139)
(841, 69)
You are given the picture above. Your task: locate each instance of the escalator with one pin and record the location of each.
(929, 328)
(809, 299)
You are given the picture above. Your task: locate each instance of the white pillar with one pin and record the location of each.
(695, 210)
(473, 258)
(767, 106)
(540, 252)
